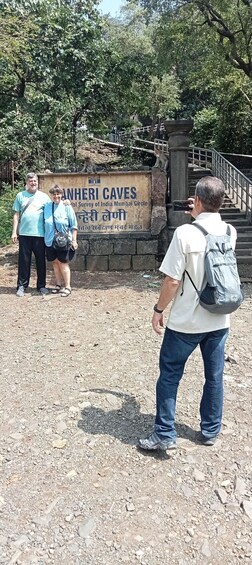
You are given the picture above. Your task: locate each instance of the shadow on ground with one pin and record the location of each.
(126, 423)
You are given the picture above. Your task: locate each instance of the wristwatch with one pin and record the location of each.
(156, 309)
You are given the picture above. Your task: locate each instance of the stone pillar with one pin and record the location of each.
(158, 201)
(178, 142)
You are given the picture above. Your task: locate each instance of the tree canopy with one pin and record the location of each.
(63, 65)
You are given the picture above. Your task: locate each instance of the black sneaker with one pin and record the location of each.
(43, 291)
(208, 440)
(154, 442)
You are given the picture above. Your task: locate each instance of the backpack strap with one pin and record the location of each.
(203, 230)
(191, 281)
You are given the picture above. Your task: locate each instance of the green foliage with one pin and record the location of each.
(208, 46)
(234, 132)
(131, 158)
(6, 214)
(67, 67)
(62, 65)
(205, 125)
(51, 76)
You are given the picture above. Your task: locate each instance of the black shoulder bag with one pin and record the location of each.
(61, 241)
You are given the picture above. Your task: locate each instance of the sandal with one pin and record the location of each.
(56, 289)
(65, 292)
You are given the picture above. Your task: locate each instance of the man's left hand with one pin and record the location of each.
(157, 322)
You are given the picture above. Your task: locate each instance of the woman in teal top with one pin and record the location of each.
(63, 217)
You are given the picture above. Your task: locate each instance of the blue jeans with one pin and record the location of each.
(175, 350)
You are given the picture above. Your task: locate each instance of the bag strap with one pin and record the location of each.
(54, 223)
(25, 207)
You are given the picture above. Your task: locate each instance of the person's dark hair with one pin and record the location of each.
(30, 176)
(56, 189)
(211, 192)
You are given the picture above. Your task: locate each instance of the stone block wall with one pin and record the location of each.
(129, 251)
(117, 253)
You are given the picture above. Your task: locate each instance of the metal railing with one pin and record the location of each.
(238, 186)
(156, 145)
(201, 157)
(125, 134)
(161, 145)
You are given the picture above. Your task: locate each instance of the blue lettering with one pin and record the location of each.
(93, 193)
(113, 194)
(68, 193)
(105, 193)
(77, 193)
(119, 193)
(133, 192)
(81, 193)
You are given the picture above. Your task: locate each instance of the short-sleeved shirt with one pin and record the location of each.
(65, 220)
(32, 220)
(187, 252)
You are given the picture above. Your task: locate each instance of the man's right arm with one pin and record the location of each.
(14, 236)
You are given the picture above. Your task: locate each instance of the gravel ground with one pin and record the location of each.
(77, 382)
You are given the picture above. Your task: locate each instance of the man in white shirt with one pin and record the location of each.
(189, 324)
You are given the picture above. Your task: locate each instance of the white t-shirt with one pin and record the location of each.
(187, 252)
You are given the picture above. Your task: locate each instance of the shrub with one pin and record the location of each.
(6, 214)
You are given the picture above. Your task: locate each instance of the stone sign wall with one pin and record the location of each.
(121, 217)
(107, 203)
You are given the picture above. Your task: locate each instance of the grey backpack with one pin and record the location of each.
(222, 293)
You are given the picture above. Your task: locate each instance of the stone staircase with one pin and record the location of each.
(194, 175)
(232, 215)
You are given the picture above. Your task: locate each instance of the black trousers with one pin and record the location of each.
(27, 246)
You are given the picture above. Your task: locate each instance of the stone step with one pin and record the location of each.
(244, 237)
(244, 259)
(242, 252)
(194, 171)
(245, 272)
(242, 228)
(243, 222)
(230, 209)
(233, 216)
(244, 244)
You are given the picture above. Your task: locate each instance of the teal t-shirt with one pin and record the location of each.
(65, 220)
(32, 220)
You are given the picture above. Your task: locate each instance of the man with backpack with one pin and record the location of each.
(197, 316)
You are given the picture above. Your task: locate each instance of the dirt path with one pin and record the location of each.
(77, 383)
